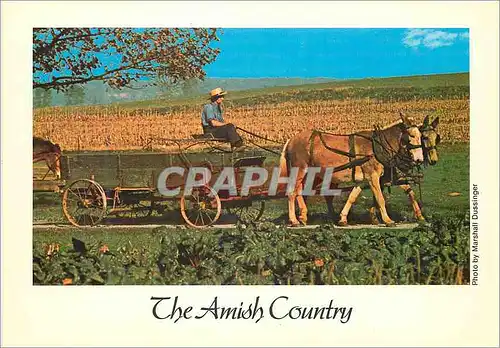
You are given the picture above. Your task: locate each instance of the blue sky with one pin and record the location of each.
(340, 53)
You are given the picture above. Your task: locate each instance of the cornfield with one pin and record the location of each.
(113, 128)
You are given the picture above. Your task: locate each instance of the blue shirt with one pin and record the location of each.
(211, 111)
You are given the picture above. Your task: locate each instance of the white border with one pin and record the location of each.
(121, 316)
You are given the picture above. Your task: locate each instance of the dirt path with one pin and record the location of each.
(39, 227)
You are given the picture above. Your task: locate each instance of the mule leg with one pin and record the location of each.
(373, 216)
(413, 202)
(373, 212)
(329, 205)
(291, 209)
(374, 182)
(350, 201)
(411, 197)
(300, 199)
(303, 209)
(295, 194)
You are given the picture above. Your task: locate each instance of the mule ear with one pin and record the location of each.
(426, 121)
(404, 118)
(435, 123)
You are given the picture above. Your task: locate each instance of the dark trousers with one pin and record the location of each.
(227, 132)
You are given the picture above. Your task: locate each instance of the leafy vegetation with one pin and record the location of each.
(382, 94)
(263, 254)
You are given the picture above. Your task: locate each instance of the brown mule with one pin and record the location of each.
(358, 156)
(430, 141)
(45, 150)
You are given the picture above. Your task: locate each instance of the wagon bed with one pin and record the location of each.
(95, 185)
(136, 170)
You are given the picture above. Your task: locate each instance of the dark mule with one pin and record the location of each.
(430, 140)
(44, 150)
(353, 157)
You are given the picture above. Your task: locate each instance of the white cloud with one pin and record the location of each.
(464, 35)
(431, 38)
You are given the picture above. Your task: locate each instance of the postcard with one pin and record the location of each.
(305, 172)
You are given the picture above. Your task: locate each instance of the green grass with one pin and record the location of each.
(455, 84)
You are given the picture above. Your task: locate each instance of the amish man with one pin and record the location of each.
(213, 122)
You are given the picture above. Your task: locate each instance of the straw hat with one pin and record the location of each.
(217, 92)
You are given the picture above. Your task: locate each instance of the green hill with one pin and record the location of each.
(394, 88)
(250, 91)
(97, 93)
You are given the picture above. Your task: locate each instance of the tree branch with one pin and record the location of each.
(76, 55)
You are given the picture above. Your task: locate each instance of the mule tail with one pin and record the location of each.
(283, 161)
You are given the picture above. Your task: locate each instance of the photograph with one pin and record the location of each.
(252, 156)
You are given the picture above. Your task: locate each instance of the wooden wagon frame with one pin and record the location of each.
(87, 200)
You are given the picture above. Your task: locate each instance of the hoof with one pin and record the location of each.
(342, 223)
(421, 219)
(303, 222)
(293, 224)
(375, 221)
(390, 224)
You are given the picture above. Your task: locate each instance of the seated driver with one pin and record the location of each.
(213, 122)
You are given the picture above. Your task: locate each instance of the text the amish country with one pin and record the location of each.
(279, 308)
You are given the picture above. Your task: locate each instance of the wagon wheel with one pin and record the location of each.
(84, 203)
(200, 209)
(250, 213)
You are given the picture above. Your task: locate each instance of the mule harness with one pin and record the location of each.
(382, 151)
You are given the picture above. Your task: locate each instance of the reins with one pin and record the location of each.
(260, 137)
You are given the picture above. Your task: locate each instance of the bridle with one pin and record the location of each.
(425, 139)
(40, 157)
(405, 141)
(400, 158)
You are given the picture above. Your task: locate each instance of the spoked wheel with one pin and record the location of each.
(202, 208)
(84, 203)
(248, 214)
